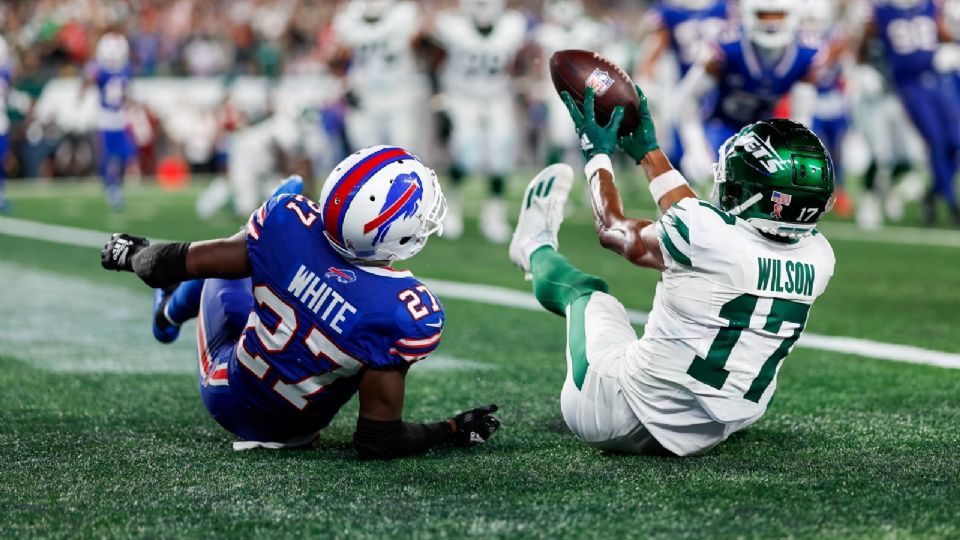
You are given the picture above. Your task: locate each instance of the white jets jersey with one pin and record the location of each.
(478, 64)
(585, 34)
(729, 308)
(382, 60)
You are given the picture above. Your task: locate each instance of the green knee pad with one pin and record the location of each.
(557, 283)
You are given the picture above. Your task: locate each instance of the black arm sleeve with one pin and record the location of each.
(375, 439)
(162, 265)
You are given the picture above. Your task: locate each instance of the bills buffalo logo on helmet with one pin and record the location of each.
(343, 276)
(403, 201)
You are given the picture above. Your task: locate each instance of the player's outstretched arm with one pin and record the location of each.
(165, 264)
(381, 434)
(667, 185)
(633, 239)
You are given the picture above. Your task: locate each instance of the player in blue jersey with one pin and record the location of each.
(111, 74)
(6, 73)
(686, 28)
(831, 113)
(914, 42)
(751, 68)
(301, 310)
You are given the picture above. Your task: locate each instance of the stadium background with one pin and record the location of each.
(102, 434)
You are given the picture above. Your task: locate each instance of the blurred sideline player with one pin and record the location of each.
(481, 40)
(302, 310)
(831, 113)
(737, 283)
(912, 35)
(751, 68)
(686, 28)
(256, 154)
(111, 73)
(894, 145)
(385, 89)
(6, 73)
(566, 26)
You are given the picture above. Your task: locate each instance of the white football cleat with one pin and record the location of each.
(869, 215)
(214, 198)
(493, 221)
(453, 223)
(541, 213)
(296, 442)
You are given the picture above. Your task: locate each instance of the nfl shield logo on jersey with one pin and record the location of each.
(600, 81)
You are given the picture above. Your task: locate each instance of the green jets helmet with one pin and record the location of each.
(777, 175)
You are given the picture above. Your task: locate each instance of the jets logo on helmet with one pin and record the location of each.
(381, 204)
(777, 175)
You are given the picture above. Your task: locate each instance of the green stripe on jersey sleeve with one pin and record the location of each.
(681, 228)
(672, 249)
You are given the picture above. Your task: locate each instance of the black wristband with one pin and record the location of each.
(377, 439)
(162, 265)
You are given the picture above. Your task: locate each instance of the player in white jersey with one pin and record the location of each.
(481, 41)
(256, 155)
(738, 280)
(565, 26)
(386, 90)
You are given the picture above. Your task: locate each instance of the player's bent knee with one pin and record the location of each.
(559, 287)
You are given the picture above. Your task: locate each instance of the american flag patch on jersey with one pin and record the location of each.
(781, 198)
(600, 81)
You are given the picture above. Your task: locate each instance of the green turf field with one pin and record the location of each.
(102, 433)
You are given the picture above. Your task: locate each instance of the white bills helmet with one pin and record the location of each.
(113, 52)
(483, 12)
(771, 24)
(381, 204)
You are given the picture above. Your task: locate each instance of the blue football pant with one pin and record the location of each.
(933, 108)
(831, 132)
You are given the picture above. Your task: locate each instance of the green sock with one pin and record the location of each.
(557, 283)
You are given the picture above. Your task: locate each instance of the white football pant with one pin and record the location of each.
(598, 412)
(484, 138)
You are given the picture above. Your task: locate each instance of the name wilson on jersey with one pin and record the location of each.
(776, 275)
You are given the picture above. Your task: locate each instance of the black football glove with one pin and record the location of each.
(118, 253)
(475, 426)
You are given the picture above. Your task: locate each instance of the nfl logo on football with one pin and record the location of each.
(600, 81)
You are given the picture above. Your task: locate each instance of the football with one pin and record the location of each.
(572, 70)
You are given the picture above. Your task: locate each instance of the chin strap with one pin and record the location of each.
(737, 210)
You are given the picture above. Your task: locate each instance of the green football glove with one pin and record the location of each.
(644, 140)
(594, 139)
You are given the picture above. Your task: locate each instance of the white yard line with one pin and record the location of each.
(501, 296)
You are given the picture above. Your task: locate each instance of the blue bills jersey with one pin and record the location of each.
(6, 75)
(748, 89)
(691, 30)
(910, 37)
(113, 86)
(318, 320)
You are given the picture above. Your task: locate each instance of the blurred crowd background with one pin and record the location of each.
(221, 84)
